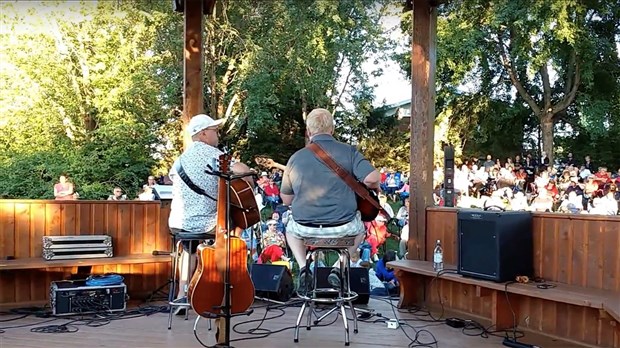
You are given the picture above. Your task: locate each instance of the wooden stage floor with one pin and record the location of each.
(151, 331)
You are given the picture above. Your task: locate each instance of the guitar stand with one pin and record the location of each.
(227, 286)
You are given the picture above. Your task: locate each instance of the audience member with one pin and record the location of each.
(117, 195)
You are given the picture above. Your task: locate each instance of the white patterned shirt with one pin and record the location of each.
(189, 210)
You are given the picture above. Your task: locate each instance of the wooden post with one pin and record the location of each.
(193, 53)
(423, 58)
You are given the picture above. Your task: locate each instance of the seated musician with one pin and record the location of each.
(191, 212)
(322, 204)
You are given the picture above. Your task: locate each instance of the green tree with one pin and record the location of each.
(553, 57)
(93, 106)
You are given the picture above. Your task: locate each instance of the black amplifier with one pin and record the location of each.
(69, 297)
(495, 245)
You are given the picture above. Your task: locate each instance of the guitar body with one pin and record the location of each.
(244, 210)
(368, 210)
(227, 257)
(242, 288)
(206, 289)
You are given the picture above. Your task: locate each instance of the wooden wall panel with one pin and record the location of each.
(136, 227)
(442, 224)
(611, 259)
(37, 228)
(138, 236)
(570, 322)
(582, 250)
(22, 230)
(163, 236)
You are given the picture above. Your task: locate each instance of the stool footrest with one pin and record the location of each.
(329, 300)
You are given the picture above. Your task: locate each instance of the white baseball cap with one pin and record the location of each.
(200, 122)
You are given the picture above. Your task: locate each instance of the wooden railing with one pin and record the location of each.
(582, 250)
(136, 227)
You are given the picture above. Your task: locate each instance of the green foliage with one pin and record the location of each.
(480, 44)
(94, 89)
(86, 102)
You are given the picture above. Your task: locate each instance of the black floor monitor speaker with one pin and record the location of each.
(495, 245)
(272, 281)
(359, 282)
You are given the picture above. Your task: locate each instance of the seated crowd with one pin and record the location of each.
(65, 189)
(533, 185)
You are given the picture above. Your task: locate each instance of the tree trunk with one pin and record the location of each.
(546, 125)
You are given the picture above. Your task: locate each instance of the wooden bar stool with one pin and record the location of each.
(337, 297)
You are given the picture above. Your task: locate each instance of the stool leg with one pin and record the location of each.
(173, 285)
(344, 264)
(312, 294)
(299, 316)
(345, 321)
(345, 291)
(348, 289)
(189, 276)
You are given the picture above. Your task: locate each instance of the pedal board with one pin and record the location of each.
(77, 247)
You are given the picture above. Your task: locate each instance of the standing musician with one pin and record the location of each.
(191, 212)
(323, 205)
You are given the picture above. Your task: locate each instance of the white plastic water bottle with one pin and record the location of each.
(438, 257)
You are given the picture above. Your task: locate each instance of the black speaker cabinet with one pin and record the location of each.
(495, 245)
(359, 282)
(272, 281)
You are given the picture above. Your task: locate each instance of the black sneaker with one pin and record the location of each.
(334, 278)
(305, 282)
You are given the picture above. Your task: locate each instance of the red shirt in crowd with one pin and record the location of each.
(553, 190)
(271, 190)
(602, 178)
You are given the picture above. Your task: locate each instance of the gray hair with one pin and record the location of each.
(320, 121)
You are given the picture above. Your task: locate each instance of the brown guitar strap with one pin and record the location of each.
(355, 185)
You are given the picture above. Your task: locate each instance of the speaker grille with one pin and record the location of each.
(478, 254)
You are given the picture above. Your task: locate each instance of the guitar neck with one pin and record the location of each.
(222, 200)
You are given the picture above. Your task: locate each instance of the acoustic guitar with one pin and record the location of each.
(206, 290)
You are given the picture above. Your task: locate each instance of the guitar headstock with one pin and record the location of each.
(224, 162)
(266, 162)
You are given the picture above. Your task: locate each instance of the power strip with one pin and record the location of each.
(508, 342)
(393, 324)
